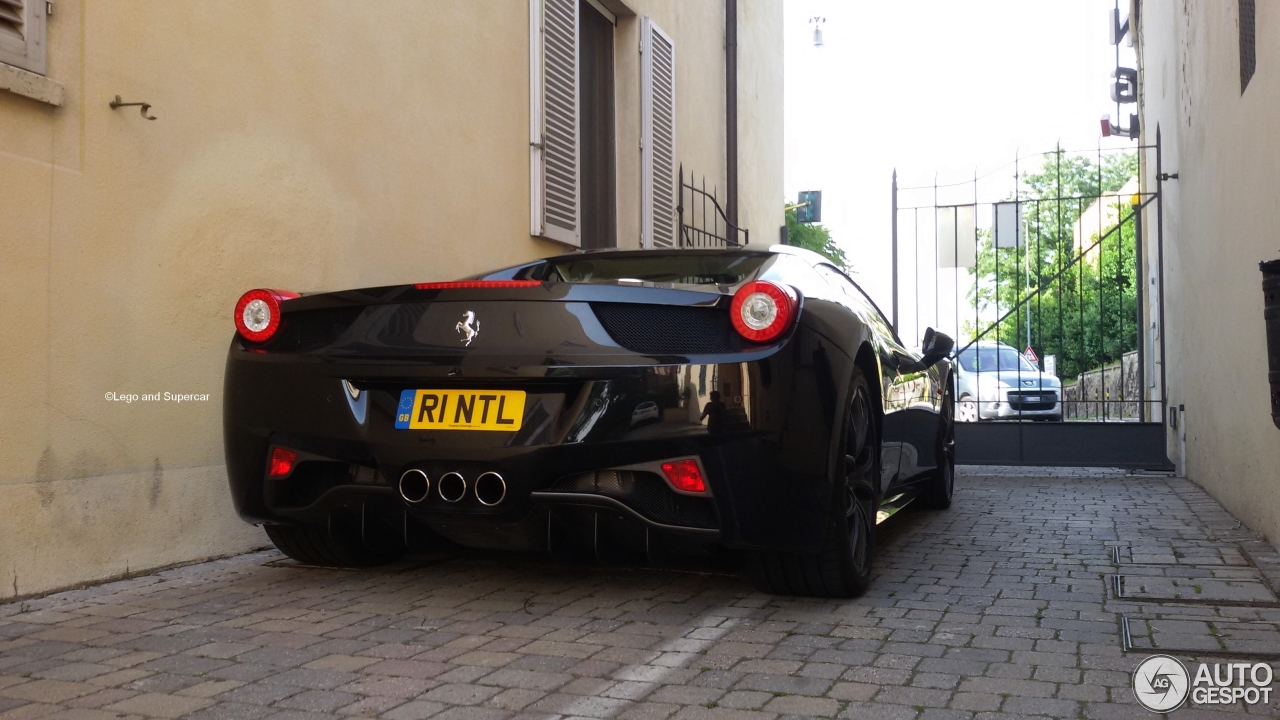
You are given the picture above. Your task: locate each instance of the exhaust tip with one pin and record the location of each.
(452, 487)
(415, 486)
(491, 489)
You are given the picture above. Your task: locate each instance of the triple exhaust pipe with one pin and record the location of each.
(415, 487)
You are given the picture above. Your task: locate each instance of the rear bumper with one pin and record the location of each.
(766, 466)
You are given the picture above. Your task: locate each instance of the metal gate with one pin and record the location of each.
(1044, 273)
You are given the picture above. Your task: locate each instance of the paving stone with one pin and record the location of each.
(158, 705)
(461, 694)
(784, 684)
(515, 698)
(259, 693)
(687, 695)
(644, 711)
(210, 688)
(528, 679)
(997, 608)
(870, 711)
(163, 683)
(52, 691)
(1041, 706)
(318, 700)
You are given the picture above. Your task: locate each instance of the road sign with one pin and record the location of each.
(1030, 355)
(810, 206)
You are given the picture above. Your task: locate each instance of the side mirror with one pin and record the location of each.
(935, 347)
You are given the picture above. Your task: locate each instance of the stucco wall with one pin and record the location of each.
(299, 145)
(1220, 220)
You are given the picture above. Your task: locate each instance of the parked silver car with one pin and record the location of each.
(994, 381)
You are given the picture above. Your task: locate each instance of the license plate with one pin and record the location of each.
(500, 410)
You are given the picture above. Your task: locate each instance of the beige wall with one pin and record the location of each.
(700, 107)
(1220, 219)
(299, 145)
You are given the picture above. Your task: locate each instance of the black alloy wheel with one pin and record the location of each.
(843, 567)
(941, 485)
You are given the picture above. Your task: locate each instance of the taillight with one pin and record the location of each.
(475, 284)
(282, 462)
(762, 310)
(258, 313)
(685, 476)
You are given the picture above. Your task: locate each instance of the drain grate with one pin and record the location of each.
(1217, 592)
(1189, 553)
(1205, 634)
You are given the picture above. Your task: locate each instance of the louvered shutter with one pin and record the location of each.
(22, 34)
(554, 128)
(658, 136)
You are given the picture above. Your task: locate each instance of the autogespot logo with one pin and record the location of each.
(1161, 683)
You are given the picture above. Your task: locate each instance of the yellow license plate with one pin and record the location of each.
(501, 410)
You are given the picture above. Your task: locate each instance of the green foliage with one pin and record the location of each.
(1081, 301)
(817, 238)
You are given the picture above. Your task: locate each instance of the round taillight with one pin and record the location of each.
(258, 313)
(762, 310)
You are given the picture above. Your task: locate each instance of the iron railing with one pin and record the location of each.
(703, 223)
(1066, 279)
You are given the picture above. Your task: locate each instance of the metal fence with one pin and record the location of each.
(703, 223)
(1037, 269)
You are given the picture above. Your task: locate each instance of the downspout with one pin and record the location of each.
(731, 111)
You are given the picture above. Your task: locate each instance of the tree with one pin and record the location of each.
(1077, 295)
(815, 237)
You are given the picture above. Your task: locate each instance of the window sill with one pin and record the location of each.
(30, 85)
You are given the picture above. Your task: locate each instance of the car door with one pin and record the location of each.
(913, 398)
(895, 394)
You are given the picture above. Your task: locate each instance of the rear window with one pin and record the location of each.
(681, 268)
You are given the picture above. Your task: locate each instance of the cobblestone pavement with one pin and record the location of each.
(1001, 607)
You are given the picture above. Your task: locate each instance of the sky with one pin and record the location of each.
(935, 88)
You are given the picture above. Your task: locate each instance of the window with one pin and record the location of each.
(838, 279)
(994, 359)
(555, 207)
(657, 136)
(22, 34)
(1248, 56)
(682, 268)
(596, 120)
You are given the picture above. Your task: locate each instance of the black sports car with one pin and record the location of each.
(617, 403)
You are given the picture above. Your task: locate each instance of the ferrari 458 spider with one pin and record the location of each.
(626, 404)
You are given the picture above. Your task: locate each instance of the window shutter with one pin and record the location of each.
(553, 112)
(22, 34)
(658, 136)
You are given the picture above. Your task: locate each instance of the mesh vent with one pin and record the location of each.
(11, 17)
(669, 329)
(645, 493)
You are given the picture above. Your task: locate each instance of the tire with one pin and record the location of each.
(967, 410)
(938, 489)
(316, 545)
(843, 567)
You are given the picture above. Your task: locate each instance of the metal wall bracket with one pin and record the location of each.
(143, 107)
